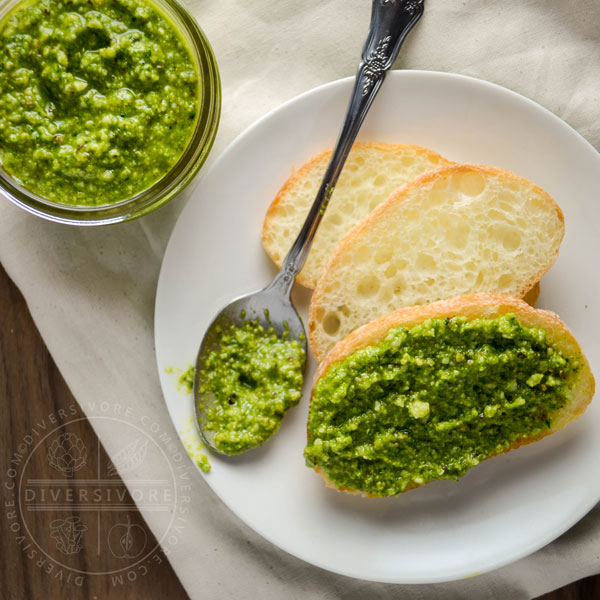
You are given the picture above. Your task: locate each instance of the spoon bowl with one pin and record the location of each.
(272, 309)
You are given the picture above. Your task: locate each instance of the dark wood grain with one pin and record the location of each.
(31, 388)
(31, 391)
(586, 589)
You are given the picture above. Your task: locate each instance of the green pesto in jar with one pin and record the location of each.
(433, 401)
(99, 98)
(254, 378)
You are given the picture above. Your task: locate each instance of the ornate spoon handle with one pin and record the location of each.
(391, 20)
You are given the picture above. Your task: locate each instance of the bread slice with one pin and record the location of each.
(459, 230)
(371, 173)
(579, 382)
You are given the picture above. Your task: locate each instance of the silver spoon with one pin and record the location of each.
(391, 20)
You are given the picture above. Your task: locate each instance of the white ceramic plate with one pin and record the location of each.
(503, 509)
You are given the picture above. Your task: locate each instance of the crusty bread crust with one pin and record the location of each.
(382, 214)
(476, 306)
(319, 162)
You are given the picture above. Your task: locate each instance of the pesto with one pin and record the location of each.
(433, 401)
(202, 463)
(254, 378)
(185, 379)
(195, 448)
(99, 98)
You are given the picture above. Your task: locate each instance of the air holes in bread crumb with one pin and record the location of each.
(399, 286)
(390, 271)
(505, 281)
(495, 215)
(470, 184)
(331, 324)
(425, 262)
(386, 294)
(368, 286)
(479, 280)
(457, 236)
(440, 184)
(509, 238)
(382, 256)
(363, 254)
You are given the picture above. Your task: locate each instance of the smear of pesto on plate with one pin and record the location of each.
(194, 447)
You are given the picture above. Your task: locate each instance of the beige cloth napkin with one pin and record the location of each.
(91, 291)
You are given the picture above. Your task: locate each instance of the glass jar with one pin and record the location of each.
(179, 176)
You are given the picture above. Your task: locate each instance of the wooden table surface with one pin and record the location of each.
(33, 392)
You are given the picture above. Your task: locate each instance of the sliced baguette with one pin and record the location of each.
(371, 173)
(488, 306)
(459, 230)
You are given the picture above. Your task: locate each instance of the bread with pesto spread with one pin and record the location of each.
(517, 334)
(371, 173)
(459, 230)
